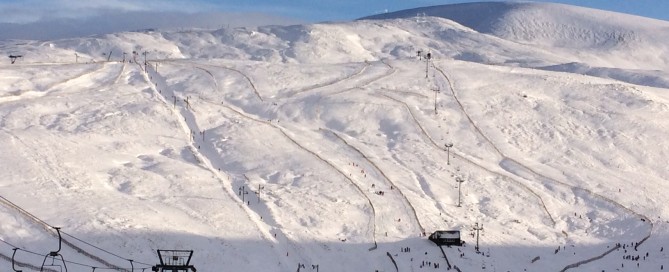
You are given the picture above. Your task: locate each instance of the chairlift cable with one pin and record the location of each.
(47, 224)
(73, 262)
(22, 264)
(1, 240)
(98, 248)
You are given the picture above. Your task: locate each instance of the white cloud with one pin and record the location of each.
(110, 22)
(54, 19)
(28, 11)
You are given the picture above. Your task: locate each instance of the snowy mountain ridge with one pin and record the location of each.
(549, 34)
(323, 147)
(551, 24)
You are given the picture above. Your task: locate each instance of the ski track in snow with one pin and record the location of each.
(76, 77)
(471, 162)
(188, 124)
(315, 87)
(120, 74)
(60, 87)
(477, 129)
(391, 70)
(291, 139)
(197, 65)
(249, 211)
(539, 175)
(405, 200)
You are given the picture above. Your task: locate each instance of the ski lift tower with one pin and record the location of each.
(13, 58)
(174, 261)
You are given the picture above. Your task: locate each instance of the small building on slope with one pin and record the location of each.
(446, 238)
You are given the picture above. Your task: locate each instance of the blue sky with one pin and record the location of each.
(24, 11)
(325, 10)
(54, 19)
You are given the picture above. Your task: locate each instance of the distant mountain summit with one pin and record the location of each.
(478, 16)
(546, 24)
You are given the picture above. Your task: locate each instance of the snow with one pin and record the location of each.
(265, 148)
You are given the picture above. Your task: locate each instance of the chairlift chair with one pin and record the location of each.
(13, 267)
(174, 261)
(54, 254)
(14, 57)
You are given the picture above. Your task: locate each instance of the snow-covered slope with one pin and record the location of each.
(608, 38)
(323, 145)
(519, 34)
